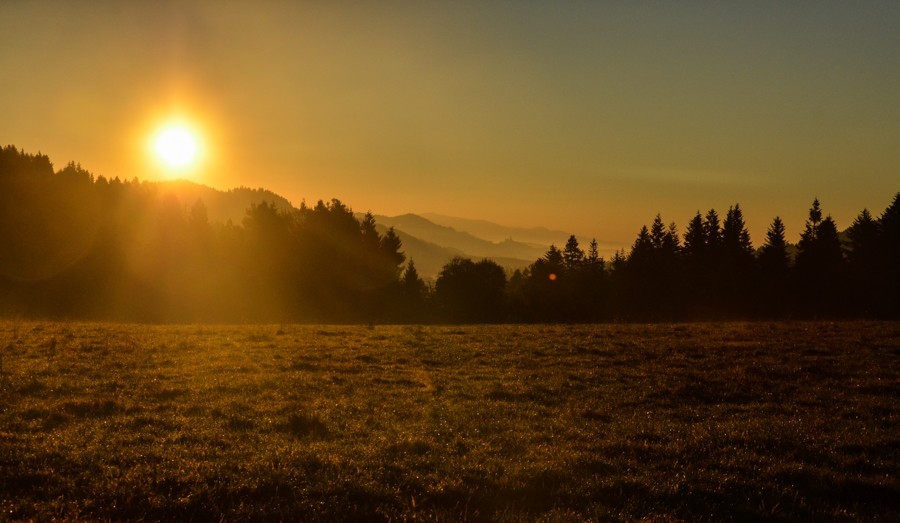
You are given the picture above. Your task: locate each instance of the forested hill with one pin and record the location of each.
(77, 246)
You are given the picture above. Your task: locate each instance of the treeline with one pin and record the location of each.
(76, 246)
(712, 272)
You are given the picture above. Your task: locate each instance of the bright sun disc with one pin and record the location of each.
(176, 146)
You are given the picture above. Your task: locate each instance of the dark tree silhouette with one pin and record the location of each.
(695, 238)
(471, 292)
(413, 295)
(543, 292)
(735, 237)
(391, 256)
(864, 264)
(820, 265)
(572, 254)
(775, 294)
(594, 292)
(890, 275)
(79, 246)
(704, 272)
(712, 232)
(738, 275)
(268, 263)
(563, 286)
(695, 268)
(651, 289)
(713, 271)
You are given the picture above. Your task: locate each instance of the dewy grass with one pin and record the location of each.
(794, 421)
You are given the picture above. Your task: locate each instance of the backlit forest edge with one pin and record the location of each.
(77, 246)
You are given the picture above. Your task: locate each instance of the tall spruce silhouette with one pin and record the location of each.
(775, 291)
(413, 294)
(820, 265)
(890, 242)
(738, 279)
(651, 273)
(865, 260)
(695, 268)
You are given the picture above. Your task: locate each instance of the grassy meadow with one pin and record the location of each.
(696, 422)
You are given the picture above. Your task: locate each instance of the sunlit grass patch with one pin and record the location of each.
(689, 422)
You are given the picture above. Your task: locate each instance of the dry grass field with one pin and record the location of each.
(696, 422)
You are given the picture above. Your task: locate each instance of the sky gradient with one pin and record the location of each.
(589, 117)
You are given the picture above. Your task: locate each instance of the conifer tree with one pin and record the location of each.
(618, 268)
(713, 273)
(594, 261)
(737, 278)
(773, 257)
(643, 246)
(864, 263)
(597, 292)
(369, 233)
(712, 232)
(650, 283)
(572, 255)
(657, 233)
(890, 226)
(411, 280)
(890, 248)
(671, 245)
(554, 258)
(819, 266)
(546, 289)
(774, 267)
(412, 294)
(393, 257)
(735, 237)
(694, 238)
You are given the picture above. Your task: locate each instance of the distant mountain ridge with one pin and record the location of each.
(429, 244)
(462, 240)
(430, 257)
(537, 236)
(221, 206)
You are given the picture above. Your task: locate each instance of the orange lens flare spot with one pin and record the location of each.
(552, 276)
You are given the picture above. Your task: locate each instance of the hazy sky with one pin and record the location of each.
(590, 117)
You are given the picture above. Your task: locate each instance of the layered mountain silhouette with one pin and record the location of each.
(221, 206)
(430, 244)
(539, 236)
(509, 253)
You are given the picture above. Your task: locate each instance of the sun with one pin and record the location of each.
(177, 147)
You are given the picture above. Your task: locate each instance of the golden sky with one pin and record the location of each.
(589, 117)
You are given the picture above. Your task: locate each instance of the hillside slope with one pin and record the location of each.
(221, 206)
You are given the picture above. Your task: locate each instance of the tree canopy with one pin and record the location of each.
(79, 246)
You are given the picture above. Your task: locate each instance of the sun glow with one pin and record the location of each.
(177, 147)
